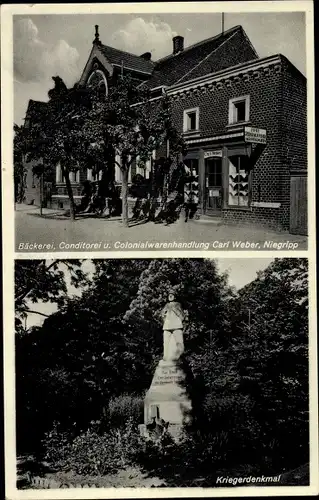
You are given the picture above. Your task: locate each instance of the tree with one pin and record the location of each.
(82, 354)
(43, 280)
(272, 350)
(55, 135)
(200, 289)
(19, 151)
(129, 125)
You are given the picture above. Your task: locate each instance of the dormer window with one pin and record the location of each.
(191, 120)
(239, 110)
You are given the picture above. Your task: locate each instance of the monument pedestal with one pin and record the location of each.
(168, 399)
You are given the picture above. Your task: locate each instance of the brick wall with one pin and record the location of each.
(294, 116)
(277, 103)
(294, 126)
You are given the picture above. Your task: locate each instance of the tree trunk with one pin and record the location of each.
(66, 174)
(124, 196)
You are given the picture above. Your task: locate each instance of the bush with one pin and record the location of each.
(186, 459)
(56, 444)
(123, 408)
(93, 453)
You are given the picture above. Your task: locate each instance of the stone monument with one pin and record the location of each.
(167, 405)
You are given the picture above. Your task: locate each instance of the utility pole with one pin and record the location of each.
(223, 20)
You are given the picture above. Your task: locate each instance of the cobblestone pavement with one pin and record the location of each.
(55, 232)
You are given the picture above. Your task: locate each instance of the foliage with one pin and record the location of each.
(19, 151)
(92, 452)
(202, 291)
(272, 350)
(120, 407)
(128, 125)
(43, 280)
(55, 133)
(248, 352)
(78, 128)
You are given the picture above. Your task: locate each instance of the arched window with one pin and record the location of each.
(98, 81)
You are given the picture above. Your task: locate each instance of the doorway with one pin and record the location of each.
(213, 186)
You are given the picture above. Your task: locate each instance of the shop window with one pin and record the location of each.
(191, 166)
(191, 186)
(191, 120)
(239, 182)
(239, 110)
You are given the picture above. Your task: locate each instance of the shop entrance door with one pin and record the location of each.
(214, 193)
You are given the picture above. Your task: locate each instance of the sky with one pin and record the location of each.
(51, 45)
(240, 271)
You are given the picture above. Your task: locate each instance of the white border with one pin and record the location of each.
(7, 11)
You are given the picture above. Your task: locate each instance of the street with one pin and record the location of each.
(55, 232)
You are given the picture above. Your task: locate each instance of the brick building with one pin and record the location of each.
(243, 118)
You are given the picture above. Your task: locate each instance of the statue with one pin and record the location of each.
(173, 318)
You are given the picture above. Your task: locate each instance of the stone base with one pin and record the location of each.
(176, 431)
(167, 398)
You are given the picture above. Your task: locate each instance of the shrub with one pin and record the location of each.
(123, 408)
(56, 444)
(93, 453)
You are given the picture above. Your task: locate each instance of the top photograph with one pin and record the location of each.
(141, 132)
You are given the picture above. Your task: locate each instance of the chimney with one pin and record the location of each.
(178, 44)
(147, 56)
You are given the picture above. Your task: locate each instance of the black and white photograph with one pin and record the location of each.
(148, 373)
(159, 250)
(161, 131)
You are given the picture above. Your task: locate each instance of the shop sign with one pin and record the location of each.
(213, 154)
(214, 193)
(255, 135)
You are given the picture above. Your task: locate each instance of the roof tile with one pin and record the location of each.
(130, 61)
(171, 69)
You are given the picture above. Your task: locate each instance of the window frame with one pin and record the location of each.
(186, 112)
(104, 80)
(60, 179)
(232, 110)
(250, 183)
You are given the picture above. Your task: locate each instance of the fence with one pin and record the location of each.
(298, 203)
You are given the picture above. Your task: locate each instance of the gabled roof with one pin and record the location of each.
(130, 61)
(174, 68)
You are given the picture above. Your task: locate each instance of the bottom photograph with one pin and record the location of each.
(162, 373)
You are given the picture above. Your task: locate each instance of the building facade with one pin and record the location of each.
(243, 118)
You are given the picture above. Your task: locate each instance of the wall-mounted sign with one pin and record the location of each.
(214, 193)
(218, 153)
(255, 135)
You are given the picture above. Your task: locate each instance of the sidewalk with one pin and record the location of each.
(58, 233)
